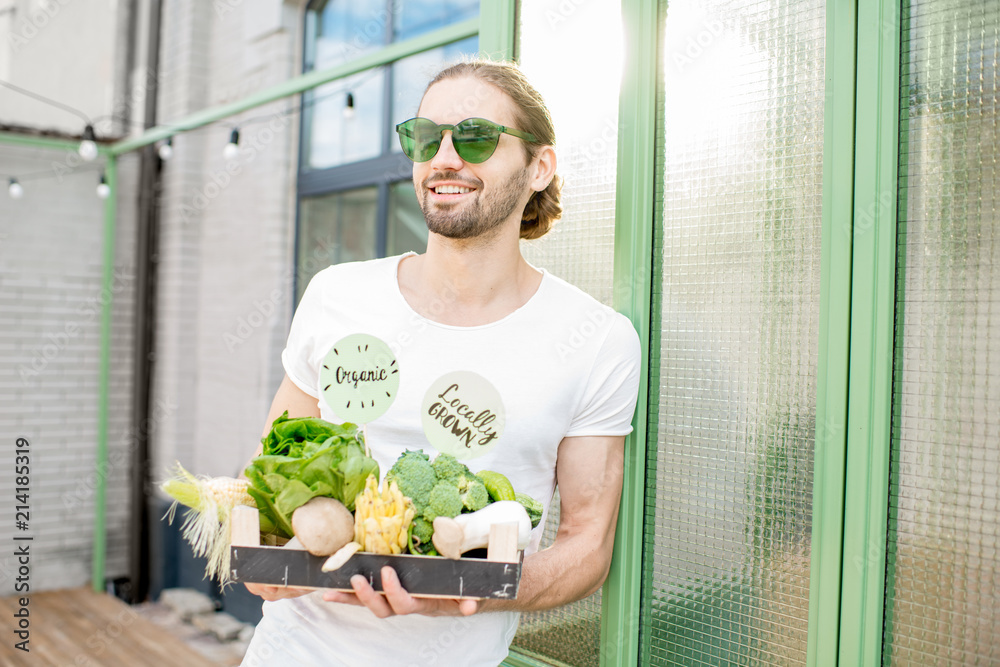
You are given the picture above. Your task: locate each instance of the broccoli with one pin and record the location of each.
(415, 477)
(473, 493)
(444, 501)
(421, 532)
(447, 466)
(443, 487)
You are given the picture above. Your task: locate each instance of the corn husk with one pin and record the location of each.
(207, 522)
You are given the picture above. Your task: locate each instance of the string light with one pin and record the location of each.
(103, 189)
(88, 147)
(89, 151)
(166, 149)
(232, 149)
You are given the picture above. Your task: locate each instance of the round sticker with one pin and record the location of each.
(463, 415)
(360, 378)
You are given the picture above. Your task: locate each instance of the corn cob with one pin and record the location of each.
(207, 521)
(382, 519)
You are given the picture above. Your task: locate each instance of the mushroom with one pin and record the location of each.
(323, 525)
(453, 537)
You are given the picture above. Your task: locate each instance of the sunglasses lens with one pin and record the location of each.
(419, 138)
(475, 139)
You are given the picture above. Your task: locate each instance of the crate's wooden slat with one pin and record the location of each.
(421, 576)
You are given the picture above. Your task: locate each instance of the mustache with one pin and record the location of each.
(431, 181)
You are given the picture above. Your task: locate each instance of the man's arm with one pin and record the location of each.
(589, 475)
(299, 404)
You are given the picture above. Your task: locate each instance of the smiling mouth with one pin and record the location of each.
(451, 190)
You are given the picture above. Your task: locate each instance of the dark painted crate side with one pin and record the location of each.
(421, 576)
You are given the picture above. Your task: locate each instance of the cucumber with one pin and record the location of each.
(498, 486)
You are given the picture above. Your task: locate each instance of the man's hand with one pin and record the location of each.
(272, 593)
(396, 601)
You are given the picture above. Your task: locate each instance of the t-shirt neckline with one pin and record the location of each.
(394, 275)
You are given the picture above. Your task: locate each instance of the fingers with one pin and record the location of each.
(273, 593)
(395, 600)
(400, 601)
(468, 607)
(369, 598)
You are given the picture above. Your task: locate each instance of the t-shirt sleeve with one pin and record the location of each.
(301, 345)
(609, 399)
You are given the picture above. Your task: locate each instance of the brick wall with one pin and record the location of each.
(227, 232)
(51, 248)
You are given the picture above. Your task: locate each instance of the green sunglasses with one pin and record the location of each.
(474, 139)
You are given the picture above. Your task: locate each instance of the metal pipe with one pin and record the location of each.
(145, 268)
(110, 206)
(384, 56)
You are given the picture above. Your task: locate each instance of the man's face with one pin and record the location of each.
(462, 200)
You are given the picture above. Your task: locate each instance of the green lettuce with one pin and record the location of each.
(303, 458)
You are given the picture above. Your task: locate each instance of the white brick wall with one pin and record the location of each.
(227, 237)
(51, 248)
(225, 260)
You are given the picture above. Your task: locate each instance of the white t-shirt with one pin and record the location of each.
(564, 365)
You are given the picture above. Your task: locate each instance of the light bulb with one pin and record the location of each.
(232, 149)
(166, 149)
(88, 147)
(15, 190)
(349, 106)
(103, 189)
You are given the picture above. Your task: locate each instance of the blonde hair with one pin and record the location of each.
(530, 115)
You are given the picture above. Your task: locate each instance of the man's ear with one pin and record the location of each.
(544, 168)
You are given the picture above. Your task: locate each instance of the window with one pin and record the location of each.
(355, 193)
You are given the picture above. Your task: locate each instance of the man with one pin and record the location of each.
(566, 367)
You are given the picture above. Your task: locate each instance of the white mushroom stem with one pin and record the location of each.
(453, 537)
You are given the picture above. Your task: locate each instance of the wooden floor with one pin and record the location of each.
(80, 628)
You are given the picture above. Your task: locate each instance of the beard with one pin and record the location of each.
(483, 215)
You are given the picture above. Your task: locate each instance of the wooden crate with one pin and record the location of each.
(497, 576)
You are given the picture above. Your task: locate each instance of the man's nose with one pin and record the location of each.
(447, 158)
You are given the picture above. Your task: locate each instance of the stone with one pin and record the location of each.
(246, 634)
(224, 627)
(187, 602)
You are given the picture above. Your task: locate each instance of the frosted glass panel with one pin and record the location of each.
(582, 95)
(943, 576)
(571, 52)
(734, 390)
